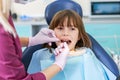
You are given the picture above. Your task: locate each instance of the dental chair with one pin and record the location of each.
(56, 6)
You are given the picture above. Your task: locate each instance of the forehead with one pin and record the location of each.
(67, 21)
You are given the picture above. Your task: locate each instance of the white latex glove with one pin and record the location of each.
(45, 35)
(61, 53)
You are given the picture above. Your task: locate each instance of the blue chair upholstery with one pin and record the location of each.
(103, 56)
(56, 6)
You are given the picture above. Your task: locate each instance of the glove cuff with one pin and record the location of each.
(60, 65)
(30, 42)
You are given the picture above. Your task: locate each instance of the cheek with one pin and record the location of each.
(79, 37)
(76, 35)
(57, 34)
(75, 38)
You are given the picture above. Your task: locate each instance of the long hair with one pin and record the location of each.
(4, 15)
(59, 18)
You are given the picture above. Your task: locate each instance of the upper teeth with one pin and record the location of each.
(67, 41)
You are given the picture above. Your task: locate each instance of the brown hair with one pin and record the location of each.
(59, 18)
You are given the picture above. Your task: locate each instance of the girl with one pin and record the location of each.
(11, 67)
(82, 64)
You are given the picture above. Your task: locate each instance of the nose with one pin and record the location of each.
(65, 32)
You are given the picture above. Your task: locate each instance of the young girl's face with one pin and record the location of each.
(67, 34)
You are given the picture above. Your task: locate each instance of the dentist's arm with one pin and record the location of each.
(24, 41)
(61, 53)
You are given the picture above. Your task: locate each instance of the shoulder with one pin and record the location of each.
(3, 34)
(6, 40)
(2, 31)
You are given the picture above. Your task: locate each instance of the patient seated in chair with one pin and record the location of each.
(81, 64)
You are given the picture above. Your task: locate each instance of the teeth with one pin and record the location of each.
(67, 41)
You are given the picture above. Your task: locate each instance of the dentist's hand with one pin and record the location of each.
(45, 35)
(61, 53)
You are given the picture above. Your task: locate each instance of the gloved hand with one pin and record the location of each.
(61, 53)
(44, 36)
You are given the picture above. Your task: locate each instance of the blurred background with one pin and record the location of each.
(101, 19)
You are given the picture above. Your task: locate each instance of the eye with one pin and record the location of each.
(60, 27)
(72, 28)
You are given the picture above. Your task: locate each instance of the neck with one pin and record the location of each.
(77, 52)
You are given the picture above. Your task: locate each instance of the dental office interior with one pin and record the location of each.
(101, 20)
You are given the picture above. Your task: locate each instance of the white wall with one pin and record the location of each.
(37, 8)
(85, 4)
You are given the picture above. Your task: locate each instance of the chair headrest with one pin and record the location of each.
(56, 6)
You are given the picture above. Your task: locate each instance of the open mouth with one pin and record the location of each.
(67, 41)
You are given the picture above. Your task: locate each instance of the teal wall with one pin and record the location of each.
(23, 30)
(107, 34)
